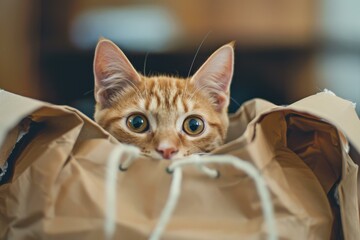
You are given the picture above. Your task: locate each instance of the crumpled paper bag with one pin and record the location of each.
(53, 186)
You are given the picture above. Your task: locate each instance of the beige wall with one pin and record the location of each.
(250, 22)
(18, 47)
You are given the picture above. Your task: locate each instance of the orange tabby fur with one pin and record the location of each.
(164, 101)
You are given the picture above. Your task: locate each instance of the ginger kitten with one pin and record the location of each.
(166, 117)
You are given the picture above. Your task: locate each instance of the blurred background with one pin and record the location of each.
(285, 49)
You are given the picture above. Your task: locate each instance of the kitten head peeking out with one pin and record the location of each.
(166, 117)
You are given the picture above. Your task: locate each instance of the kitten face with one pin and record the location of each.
(166, 117)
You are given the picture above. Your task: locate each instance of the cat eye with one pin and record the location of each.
(137, 123)
(193, 125)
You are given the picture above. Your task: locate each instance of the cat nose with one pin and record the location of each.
(167, 152)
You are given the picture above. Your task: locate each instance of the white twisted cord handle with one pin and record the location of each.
(112, 169)
(176, 168)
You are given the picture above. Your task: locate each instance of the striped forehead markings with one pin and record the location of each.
(165, 93)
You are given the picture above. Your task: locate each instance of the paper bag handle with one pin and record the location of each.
(176, 169)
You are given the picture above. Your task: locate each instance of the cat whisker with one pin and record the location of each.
(236, 102)
(144, 70)
(145, 61)
(87, 92)
(193, 61)
(197, 52)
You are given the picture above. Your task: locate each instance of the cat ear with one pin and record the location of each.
(214, 76)
(113, 72)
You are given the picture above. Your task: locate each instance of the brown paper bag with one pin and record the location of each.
(55, 180)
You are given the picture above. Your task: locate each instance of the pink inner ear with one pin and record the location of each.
(113, 72)
(215, 75)
(110, 60)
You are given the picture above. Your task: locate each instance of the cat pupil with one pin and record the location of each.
(194, 124)
(137, 122)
